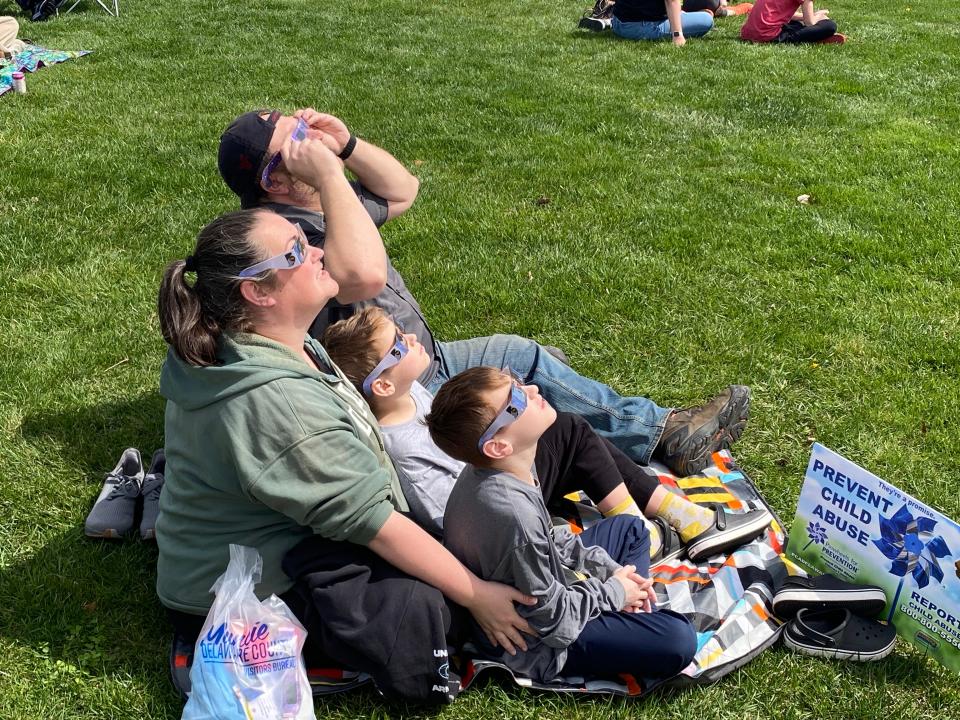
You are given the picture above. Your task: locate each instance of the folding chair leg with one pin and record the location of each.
(112, 9)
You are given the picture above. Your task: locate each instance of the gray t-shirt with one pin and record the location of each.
(426, 473)
(498, 526)
(395, 299)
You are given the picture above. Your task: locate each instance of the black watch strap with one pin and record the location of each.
(348, 148)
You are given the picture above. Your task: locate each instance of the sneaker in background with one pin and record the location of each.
(598, 18)
(594, 24)
(115, 509)
(152, 485)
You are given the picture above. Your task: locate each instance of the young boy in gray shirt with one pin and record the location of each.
(384, 363)
(594, 615)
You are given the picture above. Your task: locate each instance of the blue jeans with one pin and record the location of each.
(650, 646)
(695, 24)
(633, 424)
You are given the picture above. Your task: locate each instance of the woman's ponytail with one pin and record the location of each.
(192, 317)
(193, 337)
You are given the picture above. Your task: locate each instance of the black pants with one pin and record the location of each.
(571, 456)
(796, 32)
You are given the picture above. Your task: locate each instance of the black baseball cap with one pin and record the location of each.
(244, 152)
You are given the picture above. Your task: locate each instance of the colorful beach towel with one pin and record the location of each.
(31, 59)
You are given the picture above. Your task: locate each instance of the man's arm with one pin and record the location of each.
(381, 173)
(375, 168)
(353, 250)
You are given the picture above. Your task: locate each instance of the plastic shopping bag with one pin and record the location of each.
(247, 664)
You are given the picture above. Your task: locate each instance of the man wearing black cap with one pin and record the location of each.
(355, 257)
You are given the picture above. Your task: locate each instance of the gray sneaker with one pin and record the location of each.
(115, 510)
(152, 485)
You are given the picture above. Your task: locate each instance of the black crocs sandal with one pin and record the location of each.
(838, 634)
(671, 546)
(827, 591)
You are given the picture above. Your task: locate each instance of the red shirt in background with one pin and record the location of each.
(767, 19)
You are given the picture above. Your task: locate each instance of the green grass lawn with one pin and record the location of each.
(669, 257)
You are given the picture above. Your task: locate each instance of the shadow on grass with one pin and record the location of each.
(605, 35)
(88, 604)
(91, 438)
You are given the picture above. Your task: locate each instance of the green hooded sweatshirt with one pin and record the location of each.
(263, 450)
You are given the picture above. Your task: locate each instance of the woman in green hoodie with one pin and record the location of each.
(267, 443)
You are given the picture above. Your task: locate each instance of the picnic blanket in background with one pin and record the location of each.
(31, 59)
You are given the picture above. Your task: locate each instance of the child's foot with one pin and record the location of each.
(671, 546)
(838, 39)
(727, 532)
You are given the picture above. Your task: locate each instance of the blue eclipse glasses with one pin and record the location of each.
(516, 404)
(393, 357)
(288, 260)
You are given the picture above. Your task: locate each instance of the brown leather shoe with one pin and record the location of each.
(692, 435)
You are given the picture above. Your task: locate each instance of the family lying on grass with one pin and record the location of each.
(317, 455)
(782, 21)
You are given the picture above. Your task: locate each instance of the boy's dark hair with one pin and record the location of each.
(460, 413)
(350, 344)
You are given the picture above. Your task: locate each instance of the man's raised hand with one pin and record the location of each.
(328, 128)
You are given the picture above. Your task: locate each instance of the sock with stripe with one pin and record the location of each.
(630, 507)
(687, 518)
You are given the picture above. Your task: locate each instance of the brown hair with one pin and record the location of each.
(192, 317)
(350, 344)
(460, 413)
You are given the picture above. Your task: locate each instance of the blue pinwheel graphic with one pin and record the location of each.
(910, 543)
(817, 534)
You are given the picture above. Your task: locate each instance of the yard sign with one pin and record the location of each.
(854, 525)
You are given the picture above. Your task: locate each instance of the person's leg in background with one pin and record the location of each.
(636, 30)
(694, 24)
(9, 27)
(795, 32)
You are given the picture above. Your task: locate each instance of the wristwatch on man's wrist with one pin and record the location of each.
(348, 148)
(677, 33)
